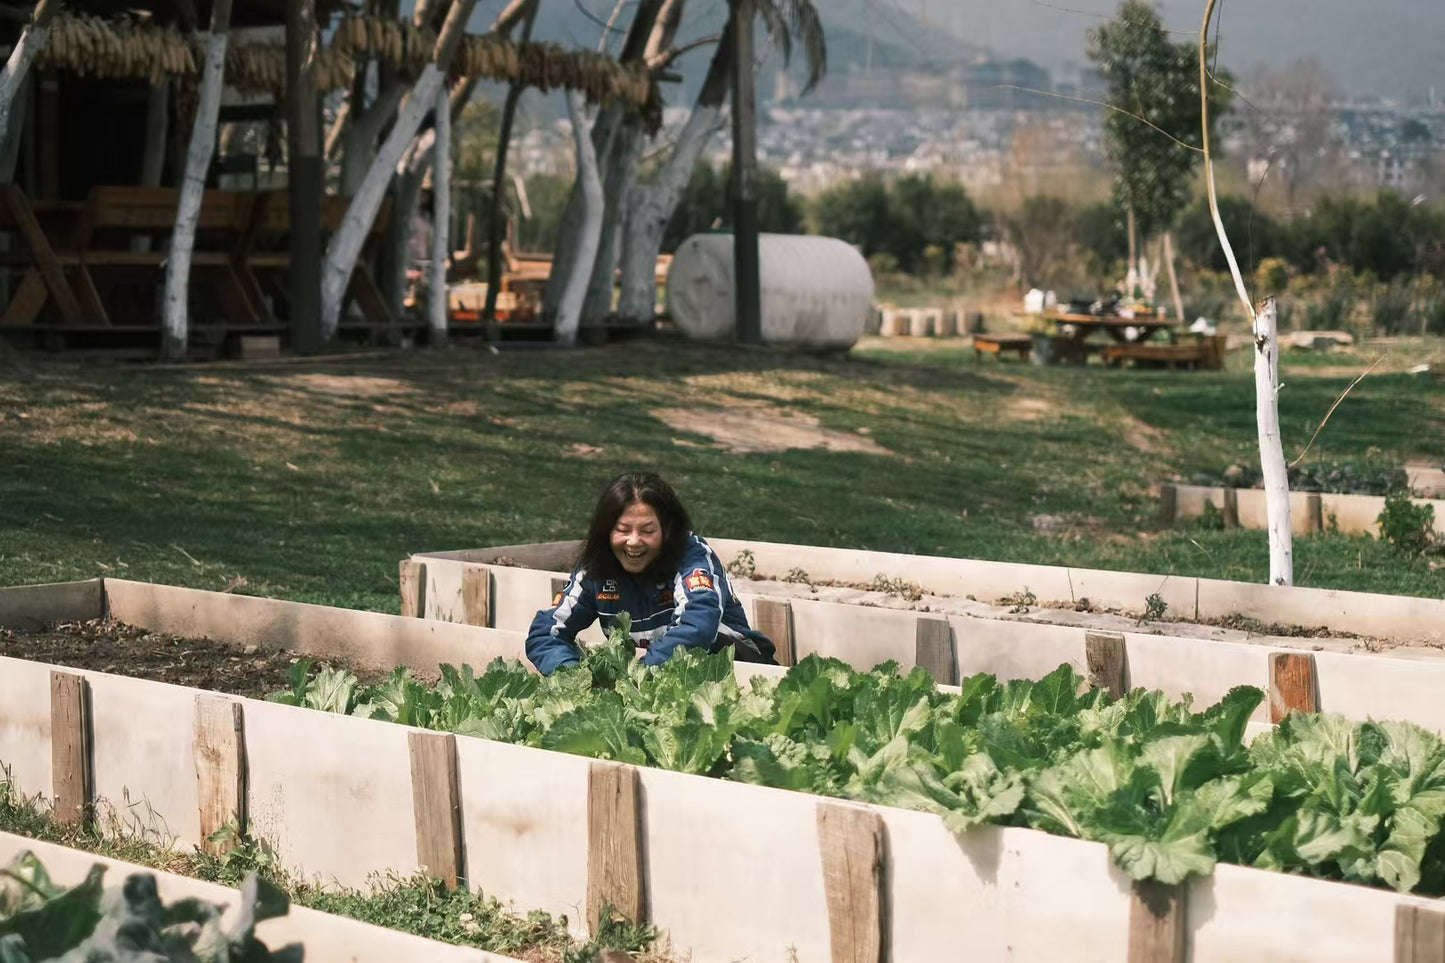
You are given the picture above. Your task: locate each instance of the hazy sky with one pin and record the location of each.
(1389, 47)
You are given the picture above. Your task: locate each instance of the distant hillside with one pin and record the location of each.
(900, 39)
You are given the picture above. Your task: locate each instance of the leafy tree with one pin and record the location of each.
(1101, 236)
(1254, 234)
(904, 220)
(707, 205)
(1154, 88)
(929, 214)
(857, 212)
(1043, 232)
(546, 196)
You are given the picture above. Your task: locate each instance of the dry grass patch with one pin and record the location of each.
(747, 429)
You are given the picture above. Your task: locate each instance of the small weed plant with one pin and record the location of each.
(744, 566)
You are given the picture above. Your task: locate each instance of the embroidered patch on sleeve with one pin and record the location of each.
(556, 600)
(698, 581)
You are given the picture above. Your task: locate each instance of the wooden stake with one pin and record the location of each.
(477, 597)
(852, 845)
(1292, 684)
(1168, 504)
(1108, 662)
(614, 844)
(1419, 934)
(220, 758)
(1314, 512)
(70, 747)
(933, 650)
(412, 578)
(775, 620)
(436, 803)
(1156, 923)
(1231, 508)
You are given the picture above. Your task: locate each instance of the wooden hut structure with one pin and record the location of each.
(92, 164)
(95, 151)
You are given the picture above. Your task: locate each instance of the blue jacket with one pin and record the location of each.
(696, 608)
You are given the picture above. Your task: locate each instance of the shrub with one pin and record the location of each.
(1407, 525)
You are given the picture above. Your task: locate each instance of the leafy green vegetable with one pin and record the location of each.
(41, 921)
(1169, 790)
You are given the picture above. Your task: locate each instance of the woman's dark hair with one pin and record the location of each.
(635, 486)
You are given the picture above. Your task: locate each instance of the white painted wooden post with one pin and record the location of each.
(441, 219)
(193, 186)
(1271, 450)
(569, 310)
(648, 207)
(346, 243)
(345, 246)
(32, 40)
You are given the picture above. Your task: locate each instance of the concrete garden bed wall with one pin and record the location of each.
(1308, 511)
(1402, 619)
(730, 871)
(325, 937)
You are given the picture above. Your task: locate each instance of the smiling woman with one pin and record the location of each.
(641, 561)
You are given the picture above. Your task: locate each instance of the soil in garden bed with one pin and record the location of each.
(104, 645)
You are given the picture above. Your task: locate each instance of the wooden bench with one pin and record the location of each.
(1171, 355)
(109, 224)
(997, 344)
(127, 228)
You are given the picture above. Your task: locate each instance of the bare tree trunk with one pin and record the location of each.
(621, 170)
(406, 198)
(193, 186)
(441, 221)
(747, 286)
(153, 160)
(10, 142)
(1133, 247)
(358, 138)
(499, 174)
(1173, 278)
(609, 119)
(16, 68)
(345, 246)
(564, 253)
(305, 177)
(569, 309)
(153, 157)
(650, 206)
(1271, 450)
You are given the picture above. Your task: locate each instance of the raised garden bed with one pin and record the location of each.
(1309, 511)
(1351, 676)
(1403, 620)
(557, 831)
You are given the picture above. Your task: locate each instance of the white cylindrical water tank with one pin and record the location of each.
(816, 291)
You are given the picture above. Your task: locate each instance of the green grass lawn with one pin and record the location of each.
(311, 480)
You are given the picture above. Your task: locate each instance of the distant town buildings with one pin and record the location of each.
(1012, 125)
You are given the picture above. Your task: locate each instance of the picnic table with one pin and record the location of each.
(1067, 334)
(1122, 330)
(240, 246)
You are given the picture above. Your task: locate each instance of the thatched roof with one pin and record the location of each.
(131, 47)
(188, 13)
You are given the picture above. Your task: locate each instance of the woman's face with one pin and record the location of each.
(637, 538)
